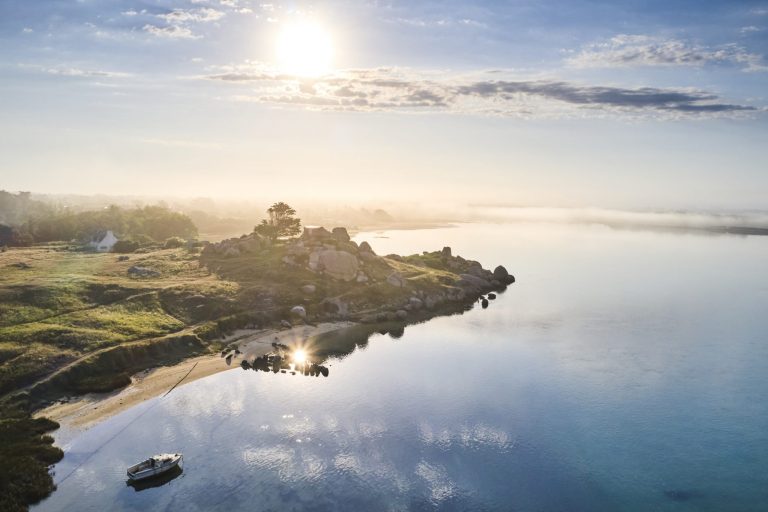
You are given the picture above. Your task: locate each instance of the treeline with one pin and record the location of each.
(29, 221)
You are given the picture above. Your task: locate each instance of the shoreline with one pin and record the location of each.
(83, 412)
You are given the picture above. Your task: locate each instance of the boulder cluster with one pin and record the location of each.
(331, 253)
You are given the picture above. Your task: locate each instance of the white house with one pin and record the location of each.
(103, 241)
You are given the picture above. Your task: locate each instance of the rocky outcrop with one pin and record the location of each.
(473, 283)
(500, 274)
(315, 233)
(339, 265)
(340, 234)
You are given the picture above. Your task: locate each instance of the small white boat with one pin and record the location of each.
(155, 465)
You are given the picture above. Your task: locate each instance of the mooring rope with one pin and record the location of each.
(125, 427)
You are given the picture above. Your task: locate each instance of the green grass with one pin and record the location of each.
(60, 305)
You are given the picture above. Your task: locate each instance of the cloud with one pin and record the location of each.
(603, 97)
(750, 29)
(437, 22)
(639, 50)
(389, 89)
(180, 16)
(171, 32)
(76, 72)
(178, 22)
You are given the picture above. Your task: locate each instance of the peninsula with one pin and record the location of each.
(78, 322)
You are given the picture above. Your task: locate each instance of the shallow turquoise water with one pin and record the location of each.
(625, 370)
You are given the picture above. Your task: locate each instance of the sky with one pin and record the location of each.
(618, 104)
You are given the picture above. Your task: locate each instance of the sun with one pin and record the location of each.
(304, 49)
(299, 356)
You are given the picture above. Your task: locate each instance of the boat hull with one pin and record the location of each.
(154, 466)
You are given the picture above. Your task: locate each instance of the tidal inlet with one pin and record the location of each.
(383, 256)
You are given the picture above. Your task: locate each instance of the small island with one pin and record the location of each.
(76, 322)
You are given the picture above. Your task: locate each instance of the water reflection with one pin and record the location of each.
(625, 372)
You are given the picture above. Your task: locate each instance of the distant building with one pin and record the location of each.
(103, 241)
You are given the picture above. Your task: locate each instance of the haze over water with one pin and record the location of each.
(624, 370)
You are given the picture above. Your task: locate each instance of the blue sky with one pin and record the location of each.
(583, 103)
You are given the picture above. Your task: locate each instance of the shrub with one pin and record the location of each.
(174, 242)
(125, 246)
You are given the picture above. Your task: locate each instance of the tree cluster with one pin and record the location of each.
(27, 221)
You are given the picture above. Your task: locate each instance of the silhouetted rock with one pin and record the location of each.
(340, 234)
(315, 234)
(446, 252)
(502, 275)
(491, 296)
(473, 283)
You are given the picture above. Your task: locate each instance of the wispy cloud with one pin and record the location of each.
(179, 22)
(641, 50)
(171, 32)
(75, 71)
(202, 15)
(437, 22)
(386, 89)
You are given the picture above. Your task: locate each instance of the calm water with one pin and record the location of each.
(624, 371)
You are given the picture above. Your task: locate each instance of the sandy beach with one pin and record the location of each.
(83, 412)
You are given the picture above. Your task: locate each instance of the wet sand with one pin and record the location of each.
(83, 412)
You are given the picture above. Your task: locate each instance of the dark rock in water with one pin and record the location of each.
(491, 296)
(228, 360)
(245, 365)
(502, 275)
(484, 302)
(682, 494)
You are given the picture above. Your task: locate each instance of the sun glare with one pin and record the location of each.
(299, 357)
(304, 49)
